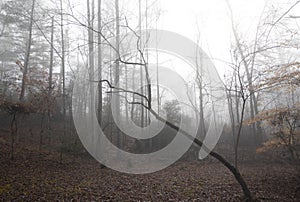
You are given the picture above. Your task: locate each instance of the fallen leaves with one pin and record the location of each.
(40, 178)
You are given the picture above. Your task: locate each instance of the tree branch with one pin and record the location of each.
(196, 141)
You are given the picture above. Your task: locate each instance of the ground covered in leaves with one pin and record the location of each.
(33, 177)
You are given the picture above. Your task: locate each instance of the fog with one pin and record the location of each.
(147, 100)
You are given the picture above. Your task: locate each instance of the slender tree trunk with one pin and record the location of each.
(63, 78)
(237, 102)
(201, 105)
(147, 117)
(51, 63)
(133, 97)
(249, 71)
(157, 81)
(110, 118)
(27, 54)
(100, 96)
(117, 70)
(126, 104)
(231, 113)
(42, 130)
(236, 146)
(259, 129)
(99, 63)
(13, 131)
(199, 80)
(90, 16)
(50, 79)
(141, 69)
(241, 52)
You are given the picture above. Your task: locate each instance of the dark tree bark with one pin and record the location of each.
(199, 143)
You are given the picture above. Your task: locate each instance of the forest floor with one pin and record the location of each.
(40, 177)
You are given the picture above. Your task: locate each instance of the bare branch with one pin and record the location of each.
(121, 90)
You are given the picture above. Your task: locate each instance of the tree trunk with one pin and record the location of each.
(63, 78)
(27, 53)
(236, 146)
(231, 113)
(199, 143)
(90, 16)
(50, 78)
(141, 69)
(99, 63)
(13, 131)
(201, 105)
(117, 70)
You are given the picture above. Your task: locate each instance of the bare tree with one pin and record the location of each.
(27, 53)
(63, 76)
(50, 76)
(200, 84)
(141, 69)
(196, 141)
(99, 63)
(117, 68)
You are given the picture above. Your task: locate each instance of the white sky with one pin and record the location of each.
(211, 18)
